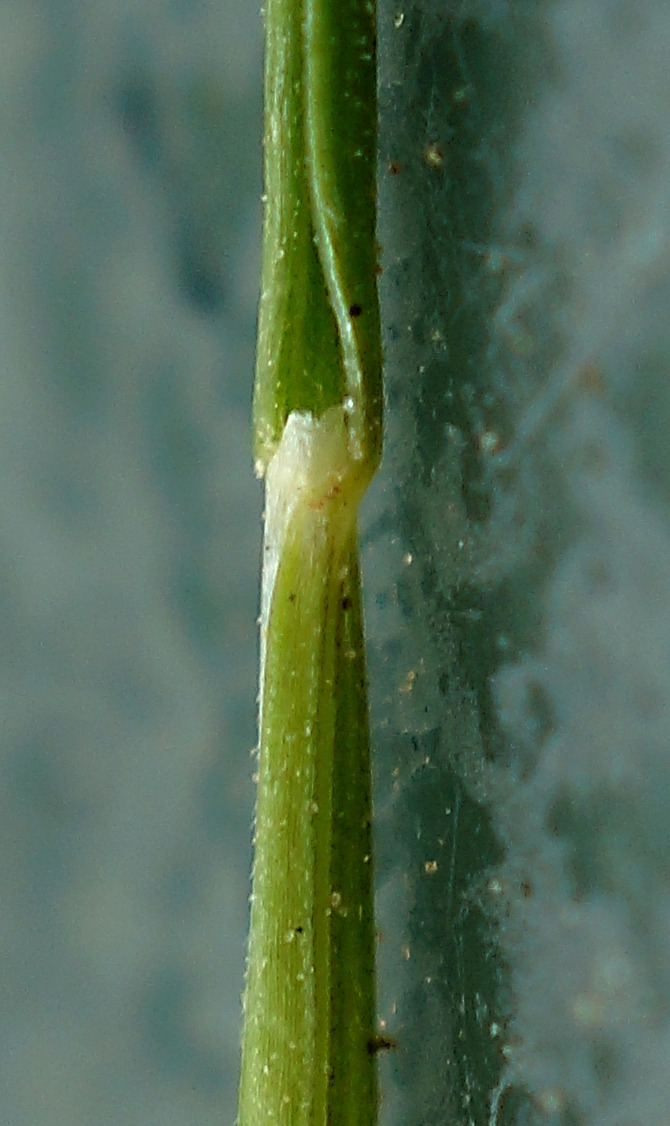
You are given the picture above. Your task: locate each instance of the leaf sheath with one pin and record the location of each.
(310, 999)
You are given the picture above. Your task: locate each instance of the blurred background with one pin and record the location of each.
(516, 551)
(130, 533)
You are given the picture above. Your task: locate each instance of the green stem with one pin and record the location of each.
(308, 1047)
(319, 341)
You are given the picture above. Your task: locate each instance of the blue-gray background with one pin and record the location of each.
(129, 187)
(516, 553)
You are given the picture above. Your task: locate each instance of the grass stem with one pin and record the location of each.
(308, 1048)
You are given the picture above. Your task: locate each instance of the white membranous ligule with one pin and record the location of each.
(311, 471)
